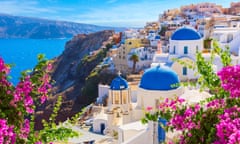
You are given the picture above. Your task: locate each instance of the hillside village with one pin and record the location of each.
(148, 59)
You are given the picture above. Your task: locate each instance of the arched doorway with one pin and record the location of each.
(102, 127)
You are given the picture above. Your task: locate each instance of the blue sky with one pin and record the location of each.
(133, 13)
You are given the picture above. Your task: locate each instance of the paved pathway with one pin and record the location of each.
(89, 136)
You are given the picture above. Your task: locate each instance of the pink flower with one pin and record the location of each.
(234, 138)
(25, 129)
(230, 80)
(228, 126)
(49, 66)
(7, 134)
(3, 67)
(149, 108)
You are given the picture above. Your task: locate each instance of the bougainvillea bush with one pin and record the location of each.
(17, 104)
(213, 121)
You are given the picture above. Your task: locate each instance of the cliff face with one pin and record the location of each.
(69, 74)
(66, 65)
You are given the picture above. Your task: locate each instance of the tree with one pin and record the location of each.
(134, 58)
(163, 30)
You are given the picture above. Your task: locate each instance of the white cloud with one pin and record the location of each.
(136, 14)
(28, 8)
(21, 7)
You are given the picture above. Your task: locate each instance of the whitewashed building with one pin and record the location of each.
(145, 56)
(184, 44)
(228, 36)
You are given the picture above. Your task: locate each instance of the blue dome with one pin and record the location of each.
(186, 34)
(151, 31)
(159, 78)
(119, 83)
(157, 37)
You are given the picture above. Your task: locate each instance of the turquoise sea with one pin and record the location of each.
(23, 53)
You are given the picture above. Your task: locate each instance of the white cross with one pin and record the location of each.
(119, 73)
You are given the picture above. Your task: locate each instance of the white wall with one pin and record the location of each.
(140, 138)
(102, 90)
(191, 44)
(178, 68)
(97, 125)
(235, 44)
(148, 97)
(133, 96)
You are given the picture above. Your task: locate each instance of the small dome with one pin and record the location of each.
(119, 83)
(151, 31)
(157, 37)
(159, 78)
(186, 33)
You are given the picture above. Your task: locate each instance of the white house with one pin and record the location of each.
(228, 36)
(184, 44)
(154, 38)
(145, 56)
(102, 93)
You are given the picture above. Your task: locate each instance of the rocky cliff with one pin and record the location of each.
(70, 71)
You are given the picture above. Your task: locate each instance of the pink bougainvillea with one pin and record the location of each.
(7, 135)
(44, 88)
(229, 125)
(25, 129)
(230, 80)
(20, 100)
(216, 120)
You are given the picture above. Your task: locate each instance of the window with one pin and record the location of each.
(197, 48)
(130, 43)
(174, 49)
(117, 97)
(124, 97)
(185, 50)
(184, 71)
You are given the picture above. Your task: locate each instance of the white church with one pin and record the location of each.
(121, 117)
(183, 45)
